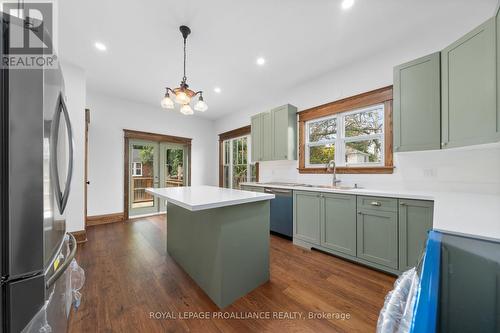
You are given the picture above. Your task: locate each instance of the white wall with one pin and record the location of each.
(75, 86)
(109, 116)
(475, 169)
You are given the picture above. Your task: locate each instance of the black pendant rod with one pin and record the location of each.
(185, 31)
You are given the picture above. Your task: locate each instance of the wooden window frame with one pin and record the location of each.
(131, 134)
(379, 96)
(242, 131)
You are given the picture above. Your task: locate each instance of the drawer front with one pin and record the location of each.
(378, 203)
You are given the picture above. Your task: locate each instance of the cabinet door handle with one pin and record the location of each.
(375, 203)
(402, 203)
(359, 213)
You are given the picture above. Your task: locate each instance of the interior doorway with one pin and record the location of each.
(153, 160)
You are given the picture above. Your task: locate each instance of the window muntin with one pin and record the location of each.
(354, 138)
(323, 130)
(364, 123)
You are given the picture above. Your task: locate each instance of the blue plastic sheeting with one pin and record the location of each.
(426, 307)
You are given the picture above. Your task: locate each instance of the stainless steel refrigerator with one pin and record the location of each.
(36, 159)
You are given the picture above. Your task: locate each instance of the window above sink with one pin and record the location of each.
(355, 132)
(354, 138)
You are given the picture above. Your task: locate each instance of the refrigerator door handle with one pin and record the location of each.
(65, 264)
(62, 198)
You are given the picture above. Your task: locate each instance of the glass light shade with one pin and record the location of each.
(182, 98)
(186, 109)
(201, 106)
(167, 103)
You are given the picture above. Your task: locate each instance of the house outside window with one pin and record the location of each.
(354, 138)
(136, 169)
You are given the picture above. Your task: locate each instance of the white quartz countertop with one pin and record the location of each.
(462, 212)
(356, 191)
(196, 198)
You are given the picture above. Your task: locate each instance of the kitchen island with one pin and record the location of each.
(220, 237)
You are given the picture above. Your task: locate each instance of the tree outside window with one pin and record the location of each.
(349, 138)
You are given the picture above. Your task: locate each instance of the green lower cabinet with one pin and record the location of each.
(377, 237)
(385, 233)
(338, 225)
(307, 216)
(415, 221)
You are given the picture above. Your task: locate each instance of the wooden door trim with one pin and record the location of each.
(131, 134)
(156, 137)
(86, 169)
(245, 130)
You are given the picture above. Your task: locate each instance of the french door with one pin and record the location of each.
(173, 167)
(237, 167)
(154, 164)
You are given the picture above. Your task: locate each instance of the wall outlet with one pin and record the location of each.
(430, 173)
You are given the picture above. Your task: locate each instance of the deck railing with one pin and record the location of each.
(139, 185)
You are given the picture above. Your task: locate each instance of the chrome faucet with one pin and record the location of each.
(332, 167)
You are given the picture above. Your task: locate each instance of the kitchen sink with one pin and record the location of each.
(333, 187)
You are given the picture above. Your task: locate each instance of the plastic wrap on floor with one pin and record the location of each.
(397, 313)
(39, 323)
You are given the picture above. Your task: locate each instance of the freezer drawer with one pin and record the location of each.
(24, 299)
(58, 293)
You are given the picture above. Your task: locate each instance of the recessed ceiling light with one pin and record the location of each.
(346, 4)
(100, 46)
(217, 90)
(261, 61)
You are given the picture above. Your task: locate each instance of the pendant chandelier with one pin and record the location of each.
(182, 95)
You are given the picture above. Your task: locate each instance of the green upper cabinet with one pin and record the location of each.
(417, 109)
(307, 216)
(498, 71)
(415, 221)
(284, 123)
(469, 88)
(274, 134)
(267, 136)
(338, 226)
(257, 132)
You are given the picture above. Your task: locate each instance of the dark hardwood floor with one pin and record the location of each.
(129, 275)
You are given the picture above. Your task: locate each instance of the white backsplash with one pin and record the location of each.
(473, 169)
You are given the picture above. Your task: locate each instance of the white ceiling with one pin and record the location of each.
(300, 39)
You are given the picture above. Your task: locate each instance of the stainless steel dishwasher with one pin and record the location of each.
(281, 211)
